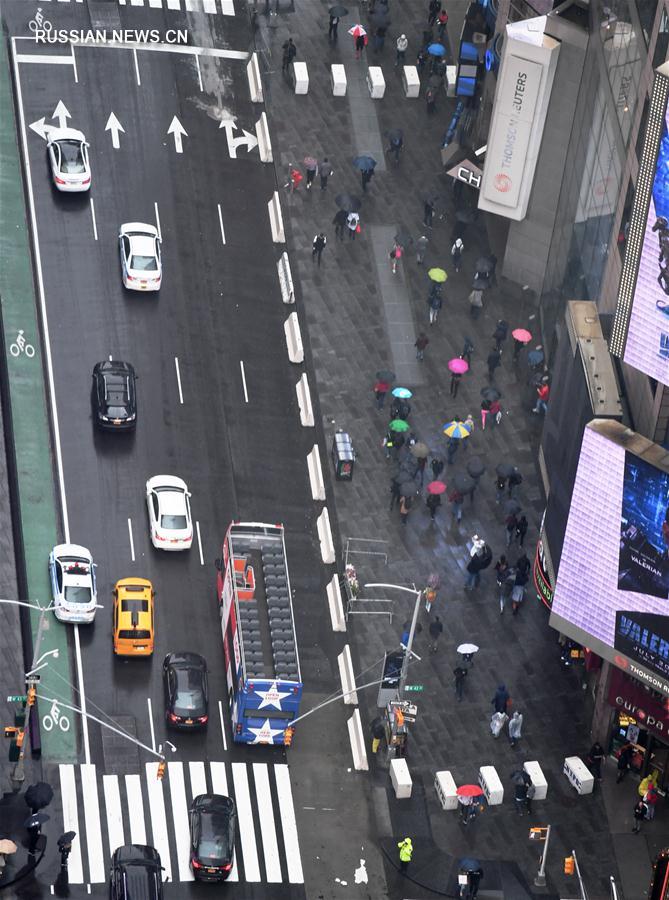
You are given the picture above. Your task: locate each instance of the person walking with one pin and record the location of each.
(467, 350)
(500, 334)
(521, 529)
(332, 30)
(493, 361)
(421, 343)
(421, 462)
(294, 179)
(515, 728)
(465, 808)
(523, 564)
(476, 562)
(433, 503)
(339, 223)
(395, 144)
(510, 526)
(456, 253)
(324, 171)
(624, 761)
(475, 302)
(451, 450)
(456, 378)
(353, 224)
(395, 493)
(520, 796)
(401, 48)
(518, 591)
(421, 247)
(515, 480)
(517, 348)
(639, 812)
(378, 730)
(405, 507)
(650, 798)
(437, 466)
(366, 176)
(594, 760)
(381, 388)
(289, 54)
(500, 485)
(469, 425)
(460, 673)
(495, 411)
(431, 100)
(433, 12)
(502, 574)
(442, 21)
(360, 43)
(379, 38)
(435, 303)
(543, 393)
(310, 168)
(435, 629)
(501, 699)
(406, 852)
(317, 247)
(457, 500)
(429, 207)
(395, 256)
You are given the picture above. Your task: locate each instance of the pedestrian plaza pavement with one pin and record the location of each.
(349, 307)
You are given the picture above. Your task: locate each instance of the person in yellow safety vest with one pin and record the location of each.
(406, 852)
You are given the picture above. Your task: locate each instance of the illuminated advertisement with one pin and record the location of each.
(612, 590)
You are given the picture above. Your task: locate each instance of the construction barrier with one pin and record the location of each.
(316, 474)
(264, 142)
(325, 536)
(255, 82)
(335, 604)
(285, 279)
(294, 339)
(301, 78)
(304, 402)
(357, 740)
(338, 80)
(347, 677)
(276, 219)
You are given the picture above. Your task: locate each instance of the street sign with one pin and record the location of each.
(538, 834)
(17, 698)
(416, 688)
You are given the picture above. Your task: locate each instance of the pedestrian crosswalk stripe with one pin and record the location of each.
(68, 792)
(158, 818)
(209, 6)
(114, 812)
(219, 783)
(289, 824)
(180, 812)
(96, 864)
(269, 843)
(133, 789)
(155, 4)
(198, 779)
(228, 7)
(245, 820)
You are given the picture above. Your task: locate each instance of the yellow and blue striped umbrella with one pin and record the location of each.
(456, 430)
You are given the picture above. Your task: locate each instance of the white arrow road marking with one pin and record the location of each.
(248, 139)
(177, 129)
(40, 128)
(116, 129)
(61, 113)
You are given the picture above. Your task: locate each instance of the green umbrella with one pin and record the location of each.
(438, 275)
(399, 425)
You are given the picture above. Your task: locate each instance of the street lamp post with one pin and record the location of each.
(409, 646)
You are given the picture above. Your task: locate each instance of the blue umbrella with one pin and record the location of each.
(535, 357)
(436, 50)
(364, 163)
(402, 393)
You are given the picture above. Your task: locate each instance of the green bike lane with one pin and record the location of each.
(31, 438)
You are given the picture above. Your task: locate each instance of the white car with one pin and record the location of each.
(168, 502)
(139, 246)
(68, 156)
(72, 573)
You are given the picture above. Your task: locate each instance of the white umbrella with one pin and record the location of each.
(467, 648)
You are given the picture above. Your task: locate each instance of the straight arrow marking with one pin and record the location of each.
(177, 129)
(61, 113)
(116, 129)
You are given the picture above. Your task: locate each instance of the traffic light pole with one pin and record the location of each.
(540, 878)
(18, 776)
(412, 630)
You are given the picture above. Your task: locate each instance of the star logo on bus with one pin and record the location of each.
(265, 735)
(272, 697)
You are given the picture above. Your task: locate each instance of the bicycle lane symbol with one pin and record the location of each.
(20, 345)
(55, 718)
(39, 23)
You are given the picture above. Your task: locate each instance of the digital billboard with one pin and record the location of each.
(612, 590)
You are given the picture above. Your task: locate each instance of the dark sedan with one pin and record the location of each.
(213, 826)
(135, 873)
(186, 690)
(114, 395)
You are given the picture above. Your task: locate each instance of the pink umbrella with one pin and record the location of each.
(522, 335)
(436, 487)
(458, 366)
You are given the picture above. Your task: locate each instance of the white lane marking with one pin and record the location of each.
(199, 542)
(68, 793)
(153, 734)
(50, 60)
(133, 789)
(156, 4)
(160, 233)
(154, 788)
(134, 53)
(180, 819)
(198, 779)
(220, 715)
(95, 224)
(173, 4)
(114, 812)
(245, 820)
(96, 860)
(132, 543)
(219, 783)
(136, 2)
(228, 7)
(288, 823)
(199, 72)
(74, 66)
(209, 6)
(220, 219)
(52, 388)
(266, 816)
(122, 2)
(133, 45)
(176, 366)
(246, 393)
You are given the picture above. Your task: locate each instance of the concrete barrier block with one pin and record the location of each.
(335, 604)
(338, 80)
(285, 279)
(316, 474)
(447, 790)
(347, 677)
(255, 82)
(539, 782)
(264, 142)
(301, 77)
(276, 219)
(451, 80)
(376, 83)
(291, 328)
(400, 778)
(491, 784)
(325, 536)
(357, 740)
(579, 774)
(306, 409)
(410, 81)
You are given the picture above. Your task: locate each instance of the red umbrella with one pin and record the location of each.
(436, 487)
(522, 335)
(469, 790)
(459, 366)
(357, 30)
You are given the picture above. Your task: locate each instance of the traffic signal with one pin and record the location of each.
(569, 865)
(9, 731)
(162, 766)
(288, 736)
(32, 696)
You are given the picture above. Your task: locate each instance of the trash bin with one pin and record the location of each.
(343, 456)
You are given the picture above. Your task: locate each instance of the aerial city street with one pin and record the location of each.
(334, 387)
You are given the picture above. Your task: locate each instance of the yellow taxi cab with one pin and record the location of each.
(133, 617)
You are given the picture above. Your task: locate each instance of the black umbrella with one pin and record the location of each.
(403, 238)
(464, 483)
(468, 864)
(486, 558)
(385, 375)
(338, 11)
(484, 264)
(468, 215)
(364, 163)
(480, 284)
(38, 795)
(475, 467)
(348, 202)
(504, 470)
(395, 134)
(435, 80)
(511, 507)
(36, 820)
(490, 394)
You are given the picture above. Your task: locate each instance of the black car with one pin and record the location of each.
(186, 690)
(213, 826)
(136, 874)
(114, 395)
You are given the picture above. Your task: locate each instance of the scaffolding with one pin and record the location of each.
(355, 604)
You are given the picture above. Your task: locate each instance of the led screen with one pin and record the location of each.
(612, 591)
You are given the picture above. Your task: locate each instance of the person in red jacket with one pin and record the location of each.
(543, 393)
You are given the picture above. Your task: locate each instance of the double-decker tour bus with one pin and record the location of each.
(259, 643)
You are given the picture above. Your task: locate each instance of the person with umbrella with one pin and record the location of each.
(495, 410)
(433, 501)
(456, 252)
(437, 466)
(502, 576)
(510, 523)
(421, 343)
(475, 302)
(289, 54)
(434, 302)
(401, 48)
(500, 334)
(459, 673)
(38, 796)
(515, 480)
(339, 223)
(521, 529)
(457, 500)
(395, 143)
(310, 168)
(494, 360)
(431, 100)
(433, 12)
(521, 337)
(359, 39)
(336, 12)
(324, 171)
